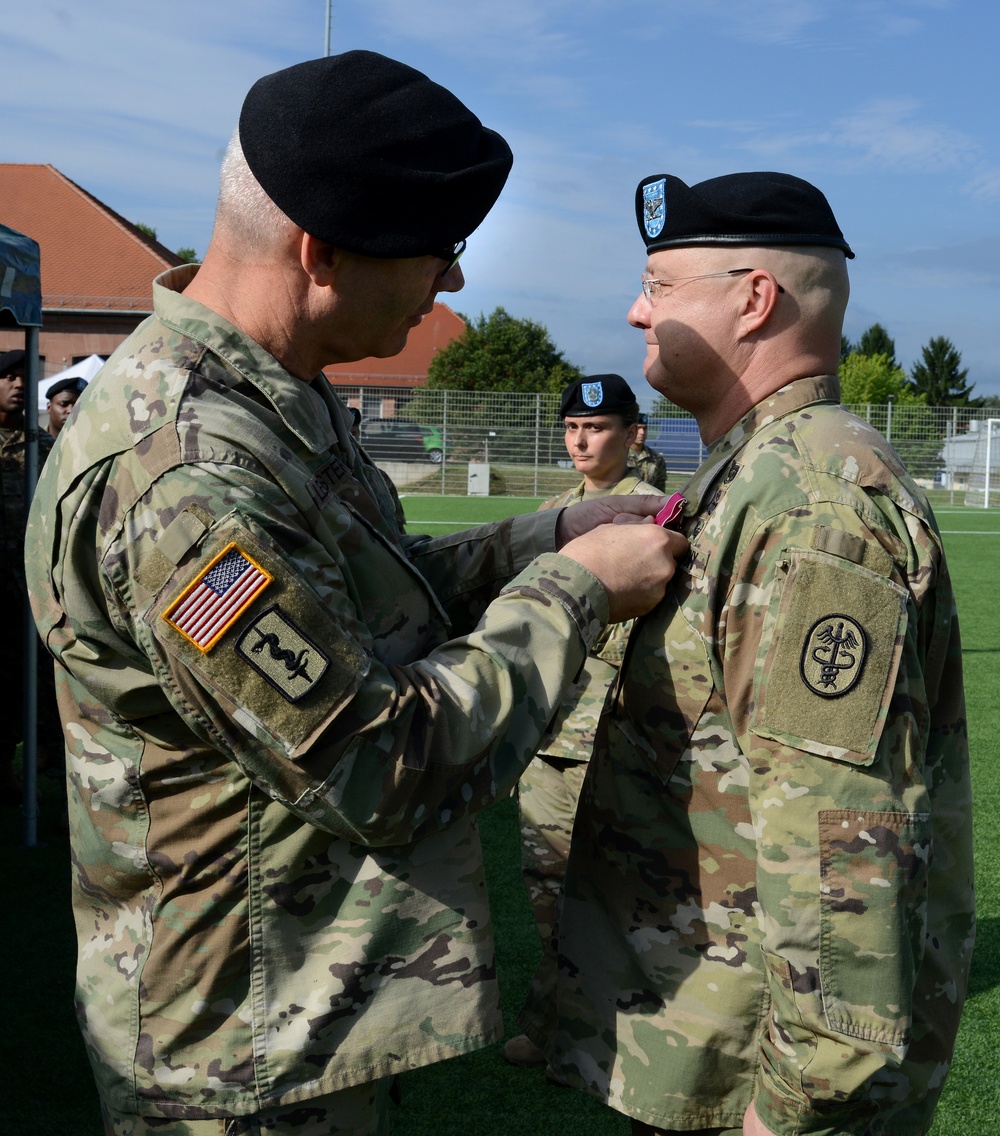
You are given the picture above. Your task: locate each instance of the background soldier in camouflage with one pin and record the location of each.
(282, 714)
(647, 464)
(600, 414)
(767, 919)
(12, 591)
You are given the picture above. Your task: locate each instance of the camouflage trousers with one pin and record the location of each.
(548, 793)
(640, 1129)
(359, 1111)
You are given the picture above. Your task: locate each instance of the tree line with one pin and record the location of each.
(500, 352)
(870, 374)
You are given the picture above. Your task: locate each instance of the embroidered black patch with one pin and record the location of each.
(833, 655)
(279, 652)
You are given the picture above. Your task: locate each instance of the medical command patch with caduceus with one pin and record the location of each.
(833, 655)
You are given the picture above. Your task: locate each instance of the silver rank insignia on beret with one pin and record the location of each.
(654, 207)
(593, 394)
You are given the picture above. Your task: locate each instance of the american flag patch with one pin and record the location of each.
(217, 596)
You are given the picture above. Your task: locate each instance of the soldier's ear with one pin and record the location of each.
(319, 260)
(759, 291)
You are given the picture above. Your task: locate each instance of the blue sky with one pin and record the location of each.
(890, 106)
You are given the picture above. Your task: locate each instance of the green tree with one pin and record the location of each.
(498, 355)
(878, 390)
(187, 254)
(147, 229)
(873, 379)
(499, 352)
(940, 376)
(875, 340)
(846, 347)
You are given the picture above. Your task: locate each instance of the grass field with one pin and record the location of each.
(47, 1084)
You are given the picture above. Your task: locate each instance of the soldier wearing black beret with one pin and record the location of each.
(600, 417)
(283, 713)
(62, 397)
(740, 947)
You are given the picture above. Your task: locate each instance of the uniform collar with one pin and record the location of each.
(787, 400)
(297, 403)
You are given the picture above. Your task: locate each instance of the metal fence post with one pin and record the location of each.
(444, 435)
(538, 440)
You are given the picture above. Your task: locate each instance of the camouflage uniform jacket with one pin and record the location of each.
(571, 733)
(769, 893)
(15, 510)
(275, 740)
(650, 466)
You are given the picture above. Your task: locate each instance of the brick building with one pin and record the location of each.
(97, 273)
(96, 267)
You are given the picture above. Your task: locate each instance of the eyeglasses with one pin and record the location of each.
(651, 288)
(451, 256)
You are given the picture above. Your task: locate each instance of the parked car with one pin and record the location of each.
(393, 439)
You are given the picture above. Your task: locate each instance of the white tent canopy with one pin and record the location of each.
(86, 369)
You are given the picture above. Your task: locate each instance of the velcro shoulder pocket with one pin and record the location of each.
(830, 651)
(240, 618)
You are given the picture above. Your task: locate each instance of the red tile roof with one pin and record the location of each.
(409, 367)
(91, 257)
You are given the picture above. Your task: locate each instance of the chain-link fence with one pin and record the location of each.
(518, 438)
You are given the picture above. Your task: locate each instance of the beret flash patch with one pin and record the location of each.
(654, 207)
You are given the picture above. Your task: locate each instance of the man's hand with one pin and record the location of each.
(752, 1126)
(618, 509)
(634, 562)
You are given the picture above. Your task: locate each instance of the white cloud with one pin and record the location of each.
(763, 21)
(888, 132)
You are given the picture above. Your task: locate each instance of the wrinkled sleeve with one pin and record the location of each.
(467, 569)
(286, 677)
(820, 648)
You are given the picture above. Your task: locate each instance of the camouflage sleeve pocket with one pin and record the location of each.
(830, 650)
(264, 652)
(873, 911)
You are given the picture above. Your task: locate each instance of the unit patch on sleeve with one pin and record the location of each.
(282, 654)
(212, 602)
(829, 652)
(833, 655)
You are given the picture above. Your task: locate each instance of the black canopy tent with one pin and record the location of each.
(21, 306)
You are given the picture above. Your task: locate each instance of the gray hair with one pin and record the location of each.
(244, 210)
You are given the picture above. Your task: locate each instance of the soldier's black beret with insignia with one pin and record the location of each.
(11, 361)
(370, 155)
(737, 209)
(598, 394)
(76, 385)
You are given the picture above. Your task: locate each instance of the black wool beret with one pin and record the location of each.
(597, 394)
(370, 155)
(75, 385)
(11, 361)
(737, 209)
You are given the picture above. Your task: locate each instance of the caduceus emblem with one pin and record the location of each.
(833, 654)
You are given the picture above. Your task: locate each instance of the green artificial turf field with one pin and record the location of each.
(48, 1088)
